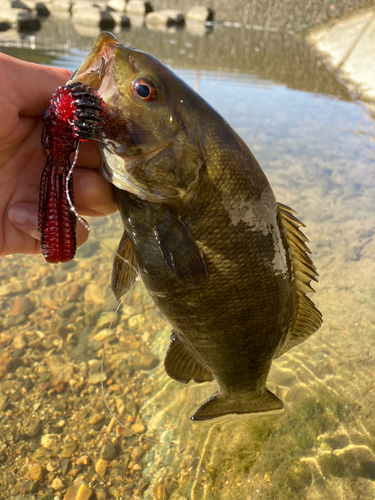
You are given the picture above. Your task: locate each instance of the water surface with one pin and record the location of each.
(315, 144)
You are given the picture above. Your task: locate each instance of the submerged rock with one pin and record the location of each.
(14, 287)
(22, 305)
(81, 492)
(36, 473)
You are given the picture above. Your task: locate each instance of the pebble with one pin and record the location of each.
(95, 293)
(109, 451)
(84, 460)
(65, 466)
(67, 310)
(59, 369)
(22, 305)
(8, 364)
(160, 493)
(101, 467)
(105, 320)
(14, 320)
(101, 336)
(192, 462)
(53, 465)
(14, 288)
(146, 361)
(3, 400)
(101, 494)
(78, 492)
(138, 428)
(136, 321)
(57, 484)
(36, 473)
(92, 315)
(95, 379)
(68, 449)
(19, 342)
(47, 344)
(127, 311)
(49, 441)
(34, 429)
(137, 453)
(95, 418)
(94, 365)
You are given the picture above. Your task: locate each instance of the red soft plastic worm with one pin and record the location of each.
(75, 114)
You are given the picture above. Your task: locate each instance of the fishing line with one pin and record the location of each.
(107, 404)
(88, 228)
(85, 224)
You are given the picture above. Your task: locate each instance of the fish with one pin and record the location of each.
(225, 263)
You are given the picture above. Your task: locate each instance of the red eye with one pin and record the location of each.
(144, 89)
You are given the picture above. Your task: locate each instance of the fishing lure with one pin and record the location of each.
(75, 115)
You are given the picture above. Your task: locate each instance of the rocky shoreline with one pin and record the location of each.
(25, 15)
(285, 15)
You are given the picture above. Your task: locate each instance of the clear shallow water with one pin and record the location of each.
(317, 153)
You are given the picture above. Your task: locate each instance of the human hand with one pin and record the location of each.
(25, 93)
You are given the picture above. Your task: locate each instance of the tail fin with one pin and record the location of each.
(218, 405)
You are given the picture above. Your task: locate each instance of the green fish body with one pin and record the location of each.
(226, 264)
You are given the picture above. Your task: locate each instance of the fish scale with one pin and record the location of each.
(225, 263)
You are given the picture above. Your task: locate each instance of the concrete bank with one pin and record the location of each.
(295, 15)
(348, 46)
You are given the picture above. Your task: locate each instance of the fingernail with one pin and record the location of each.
(18, 214)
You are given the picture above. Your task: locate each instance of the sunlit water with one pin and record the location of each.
(318, 154)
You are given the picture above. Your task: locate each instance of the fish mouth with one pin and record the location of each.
(120, 166)
(98, 63)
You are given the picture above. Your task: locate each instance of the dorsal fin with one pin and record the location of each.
(307, 318)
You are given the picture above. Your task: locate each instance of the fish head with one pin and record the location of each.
(150, 135)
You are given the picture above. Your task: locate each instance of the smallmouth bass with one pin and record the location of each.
(225, 263)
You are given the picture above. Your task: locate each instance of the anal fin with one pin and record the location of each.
(181, 365)
(124, 270)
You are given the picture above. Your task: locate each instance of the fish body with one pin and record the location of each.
(224, 262)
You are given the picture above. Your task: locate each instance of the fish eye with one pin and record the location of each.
(145, 89)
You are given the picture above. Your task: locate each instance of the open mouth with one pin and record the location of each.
(98, 63)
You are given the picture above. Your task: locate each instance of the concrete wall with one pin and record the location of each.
(283, 14)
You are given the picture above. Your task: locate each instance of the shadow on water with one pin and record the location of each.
(307, 134)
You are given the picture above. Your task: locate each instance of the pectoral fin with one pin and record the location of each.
(124, 270)
(180, 251)
(181, 365)
(218, 405)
